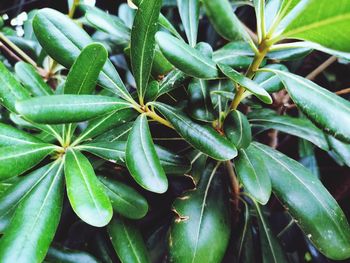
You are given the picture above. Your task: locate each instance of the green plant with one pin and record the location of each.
(89, 118)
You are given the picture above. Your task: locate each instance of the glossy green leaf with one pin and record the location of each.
(253, 174)
(14, 194)
(86, 193)
(237, 129)
(65, 255)
(199, 105)
(127, 241)
(172, 81)
(100, 125)
(301, 127)
(271, 249)
(16, 159)
(340, 148)
(289, 51)
(201, 137)
(152, 90)
(125, 200)
(108, 23)
(10, 136)
(247, 83)
(38, 213)
(161, 66)
(31, 79)
(118, 133)
(312, 100)
(269, 81)
(318, 21)
(143, 42)
(189, 13)
(63, 40)
(114, 151)
(10, 89)
(259, 6)
(68, 108)
(83, 75)
(236, 54)
(142, 160)
(201, 230)
(186, 58)
(309, 202)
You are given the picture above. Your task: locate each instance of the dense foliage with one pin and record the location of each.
(166, 161)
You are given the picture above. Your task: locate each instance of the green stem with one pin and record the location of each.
(19, 51)
(73, 8)
(258, 59)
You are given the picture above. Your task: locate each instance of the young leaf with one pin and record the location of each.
(272, 251)
(86, 193)
(10, 89)
(83, 75)
(224, 20)
(253, 174)
(11, 198)
(125, 200)
(202, 137)
(301, 127)
(143, 42)
(68, 108)
(312, 100)
(16, 159)
(199, 105)
(142, 159)
(10, 136)
(38, 213)
(201, 230)
(63, 40)
(31, 79)
(186, 58)
(259, 6)
(237, 129)
(250, 85)
(127, 241)
(316, 21)
(309, 202)
(189, 13)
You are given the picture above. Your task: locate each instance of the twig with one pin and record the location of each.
(321, 68)
(235, 187)
(343, 91)
(9, 52)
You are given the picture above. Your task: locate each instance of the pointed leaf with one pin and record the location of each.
(142, 160)
(127, 241)
(201, 137)
(10, 136)
(309, 202)
(301, 127)
(10, 89)
(237, 129)
(15, 160)
(272, 251)
(253, 174)
(31, 79)
(63, 40)
(247, 83)
(312, 100)
(83, 75)
(189, 13)
(201, 230)
(38, 213)
(316, 22)
(186, 58)
(143, 42)
(86, 193)
(68, 108)
(199, 104)
(125, 200)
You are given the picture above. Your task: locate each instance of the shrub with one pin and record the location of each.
(168, 159)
